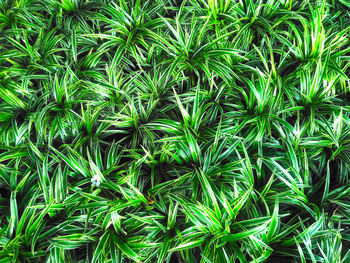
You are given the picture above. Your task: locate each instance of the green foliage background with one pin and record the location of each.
(218, 131)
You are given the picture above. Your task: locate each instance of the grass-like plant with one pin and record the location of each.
(155, 131)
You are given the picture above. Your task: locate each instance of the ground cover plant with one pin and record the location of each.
(190, 131)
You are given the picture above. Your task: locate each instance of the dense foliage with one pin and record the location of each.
(158, 131)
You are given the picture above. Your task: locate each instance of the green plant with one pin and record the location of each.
(174, 131)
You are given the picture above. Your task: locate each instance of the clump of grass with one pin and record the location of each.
(174, 131)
